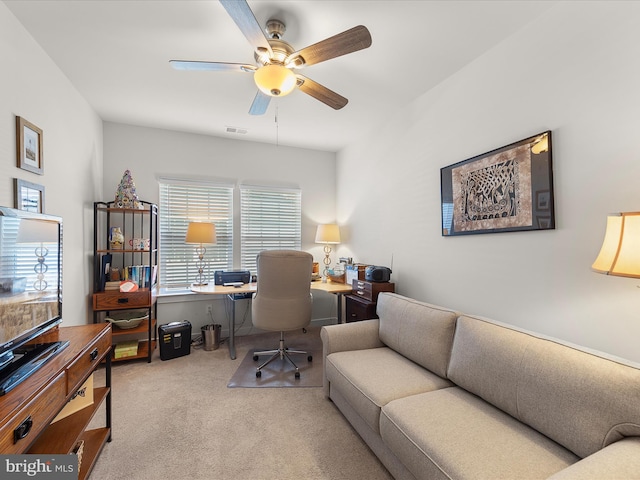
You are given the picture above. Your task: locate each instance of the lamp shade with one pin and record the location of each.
(201, 232)
(620, 251)
(275, 80)
(329, 233)
(34, 231)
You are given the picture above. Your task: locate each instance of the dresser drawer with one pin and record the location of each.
(33, 417)
(358, 309)
(119, 301)
(87, 361)
(370, 290)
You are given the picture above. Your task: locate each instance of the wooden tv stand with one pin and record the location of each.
(27, 410)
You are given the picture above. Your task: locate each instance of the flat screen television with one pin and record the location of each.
(30, 292)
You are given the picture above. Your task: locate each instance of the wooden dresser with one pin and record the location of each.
(361, 305)
(27, 410)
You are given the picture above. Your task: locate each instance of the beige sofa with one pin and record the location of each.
(437, 394)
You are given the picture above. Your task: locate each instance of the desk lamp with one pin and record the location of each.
(201, 233)
(329, 235)
(620, 252)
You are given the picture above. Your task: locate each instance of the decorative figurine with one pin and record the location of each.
(116, 238)
(126, 196)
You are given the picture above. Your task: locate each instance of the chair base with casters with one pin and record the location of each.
(281, 352)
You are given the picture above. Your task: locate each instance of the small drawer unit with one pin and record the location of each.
(117, 300)
(370, 290)
(358, 309)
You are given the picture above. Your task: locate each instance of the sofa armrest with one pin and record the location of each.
(618, 460)
(348, 336)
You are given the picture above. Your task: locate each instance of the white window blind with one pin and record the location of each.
(182, 202)
(270, 219)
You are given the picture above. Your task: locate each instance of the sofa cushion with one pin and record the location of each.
(579, 399)
(369, 379)
(452, 434)
(420, 331)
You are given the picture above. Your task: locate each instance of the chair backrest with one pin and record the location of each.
(283, 298)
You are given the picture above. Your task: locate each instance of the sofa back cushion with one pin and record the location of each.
(580, 399)
(419, 331)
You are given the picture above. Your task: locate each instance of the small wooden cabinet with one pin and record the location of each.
(361, 305)
(26, 411)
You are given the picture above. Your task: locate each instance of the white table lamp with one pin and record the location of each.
(620, 251)
(328, 234)
(201, 233)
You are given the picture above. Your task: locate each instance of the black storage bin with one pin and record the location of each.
(175, 340)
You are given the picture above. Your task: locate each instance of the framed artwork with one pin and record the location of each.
(29, 143)
(505, 190)
(28, 196)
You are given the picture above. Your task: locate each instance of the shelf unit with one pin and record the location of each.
(133, 223)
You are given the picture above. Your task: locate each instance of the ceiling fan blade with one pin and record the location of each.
(320, 92)
(211, 66)
(241, 13)
(349, 41)
(260, 104)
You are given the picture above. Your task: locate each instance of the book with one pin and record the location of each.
(126, 349)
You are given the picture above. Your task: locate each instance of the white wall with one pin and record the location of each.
(150, 153)
(574, 71)
(31, 86)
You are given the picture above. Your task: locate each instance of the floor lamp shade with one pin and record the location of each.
(620, 251)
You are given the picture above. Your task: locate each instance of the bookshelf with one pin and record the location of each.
(125, 275)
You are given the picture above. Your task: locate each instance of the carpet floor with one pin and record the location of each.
(177, 419)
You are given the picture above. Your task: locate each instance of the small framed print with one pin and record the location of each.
(28, 196)
(29, 146)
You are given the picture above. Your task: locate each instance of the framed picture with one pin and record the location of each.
(28, 196)
(29, 143)
(505, 190)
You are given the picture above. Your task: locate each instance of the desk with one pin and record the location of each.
(338, 289)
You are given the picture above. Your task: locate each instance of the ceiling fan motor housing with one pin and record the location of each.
(275, 29)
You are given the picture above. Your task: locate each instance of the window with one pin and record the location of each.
(180, 203)
(270, 219)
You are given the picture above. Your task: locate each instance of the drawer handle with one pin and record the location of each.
(360, 292)
(22, 430)
(123, 300)
(94, 354)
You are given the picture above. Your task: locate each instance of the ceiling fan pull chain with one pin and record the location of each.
(277, 128)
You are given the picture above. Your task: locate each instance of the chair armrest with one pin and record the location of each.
(348, 336)
(618, 460)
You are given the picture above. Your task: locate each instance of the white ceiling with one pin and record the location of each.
(117, 52)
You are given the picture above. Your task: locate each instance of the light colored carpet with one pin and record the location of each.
(280, 373)
(177, 419)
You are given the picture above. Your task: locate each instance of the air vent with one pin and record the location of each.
(237, 130)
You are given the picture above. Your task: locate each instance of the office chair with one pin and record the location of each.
(282, 301)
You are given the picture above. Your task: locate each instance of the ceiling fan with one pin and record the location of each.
(276, 61)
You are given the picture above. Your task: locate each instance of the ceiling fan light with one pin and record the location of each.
(275, 80)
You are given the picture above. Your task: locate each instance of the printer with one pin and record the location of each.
(225, 277)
